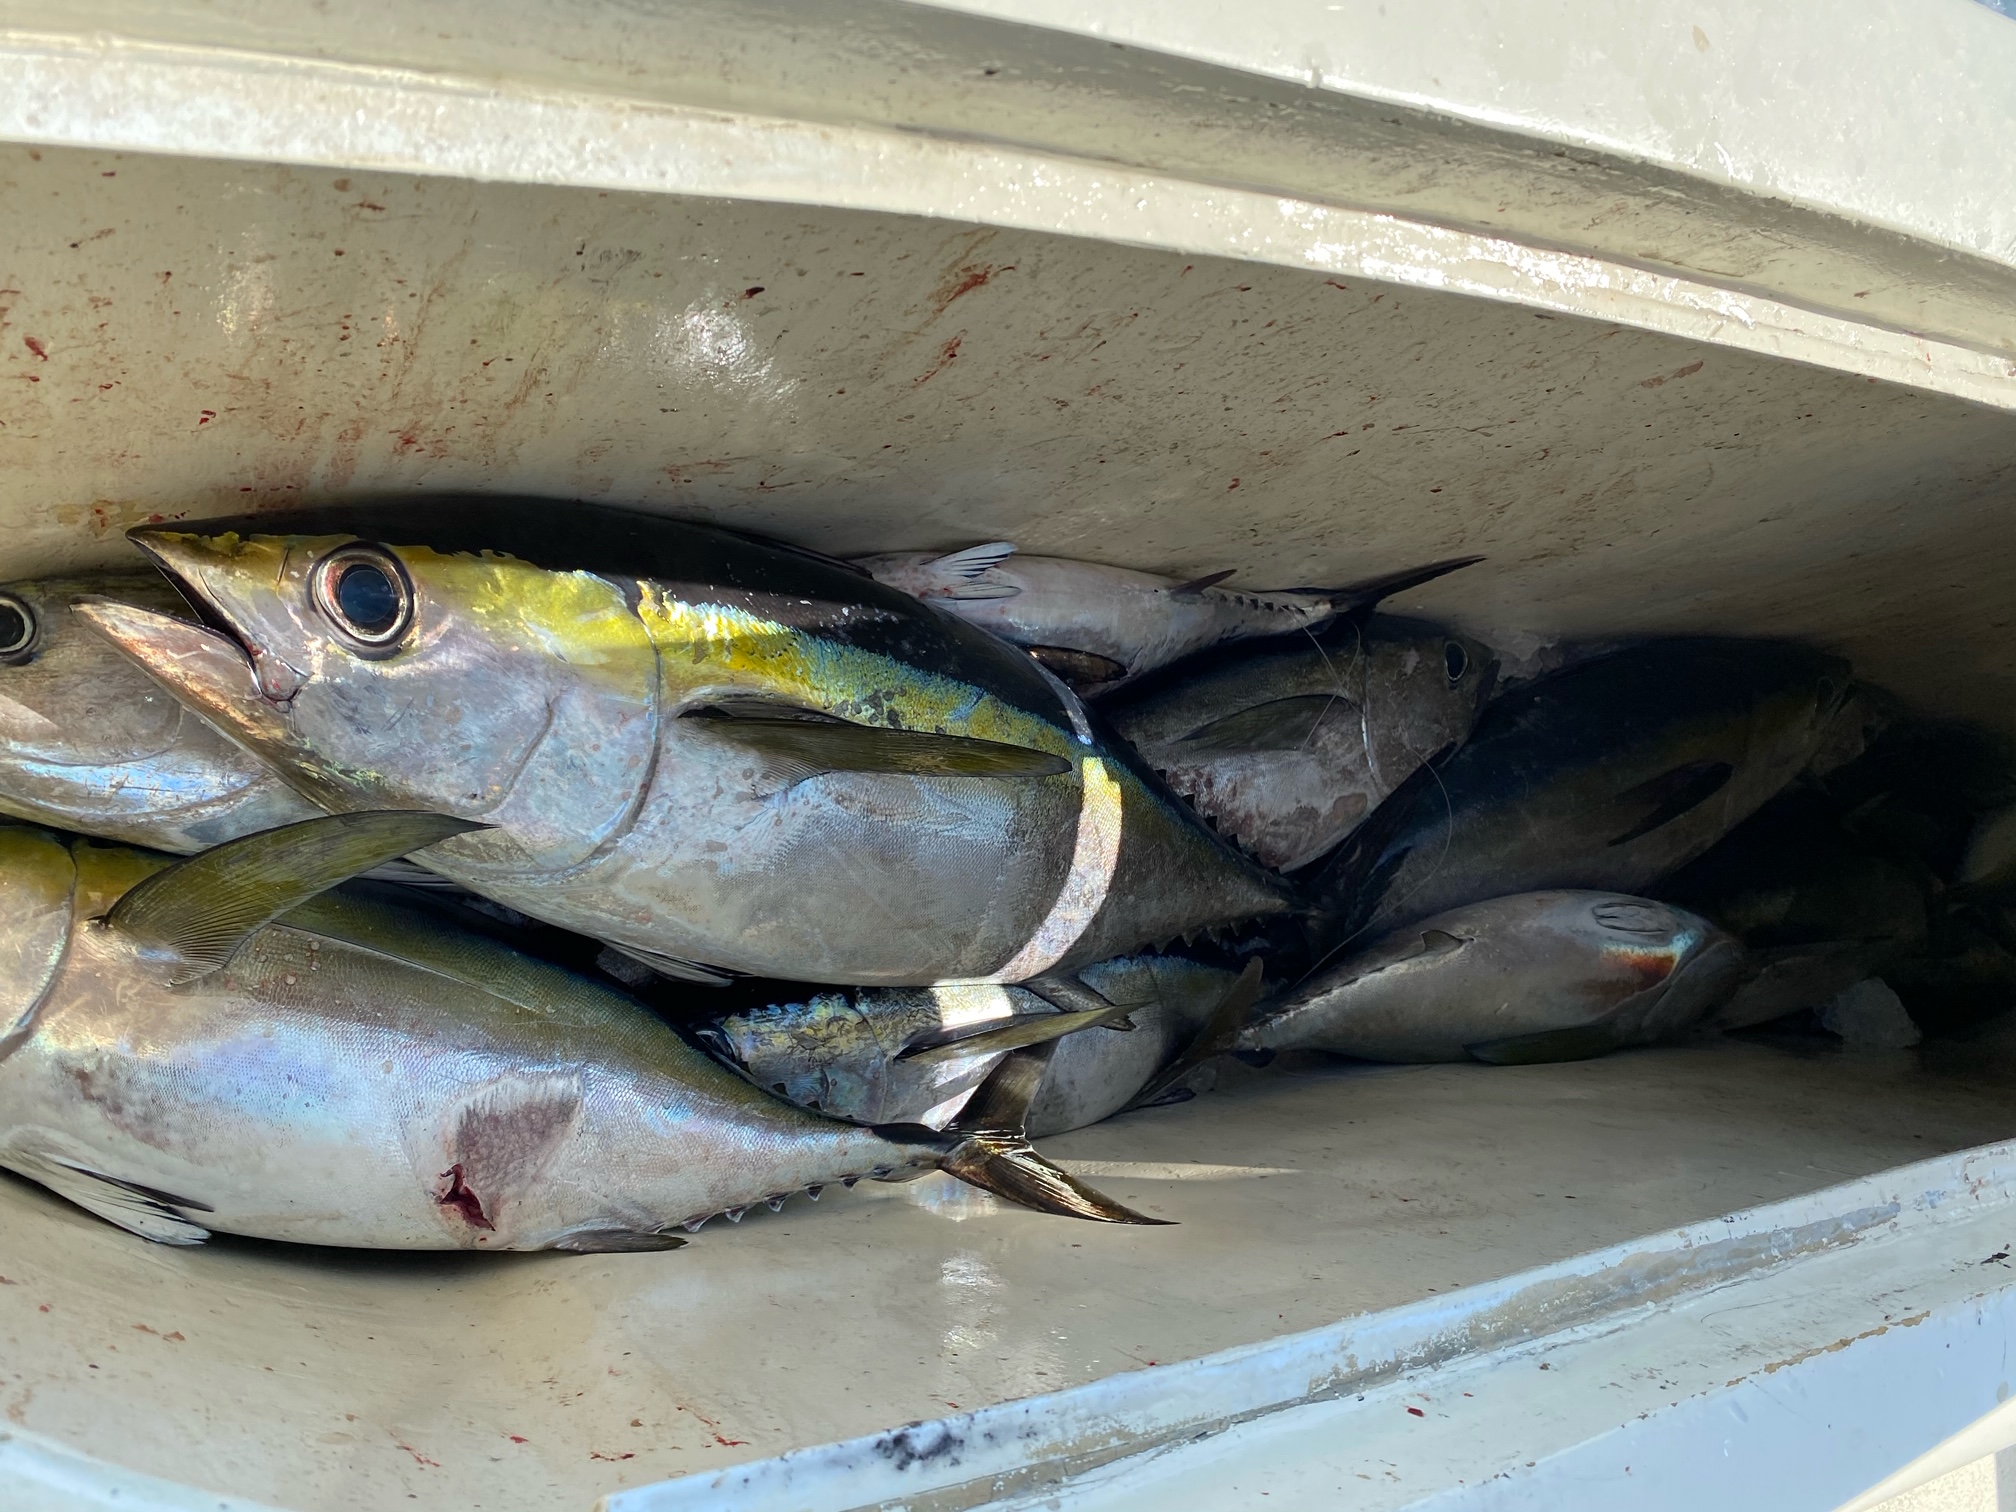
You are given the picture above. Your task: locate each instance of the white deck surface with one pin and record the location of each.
(332, 1380)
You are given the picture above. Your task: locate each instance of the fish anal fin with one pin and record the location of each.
(192, 916)
(1672, 794)
(618, 1241)
(1369, 591)
(1219, 1034)
(139, 1209)
(1583, 1042)
(797, 744)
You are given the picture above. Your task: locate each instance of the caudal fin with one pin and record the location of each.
(992, 1149)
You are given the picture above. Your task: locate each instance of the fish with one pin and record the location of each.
(221, 1045)
(1608, 775)
(1797, 873)
(1098, 627)
(90, 742)
(719, 754)
(1539, 976)
(1285, 745)
(1819, 905)
(914, 1055)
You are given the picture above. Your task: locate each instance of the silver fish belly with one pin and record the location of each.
(89, 742)
(1536, 976)
(1285, 747)
(775, 766)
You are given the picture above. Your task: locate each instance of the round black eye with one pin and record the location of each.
(367, 598)
(364, 594)
(19, 630)
(1456, 661)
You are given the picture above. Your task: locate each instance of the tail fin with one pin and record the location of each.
(992, 1149)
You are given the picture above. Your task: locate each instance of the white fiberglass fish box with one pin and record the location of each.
(1687, 321)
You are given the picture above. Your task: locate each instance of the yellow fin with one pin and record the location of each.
(192, 917)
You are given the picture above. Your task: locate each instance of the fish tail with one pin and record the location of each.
(987, 1146)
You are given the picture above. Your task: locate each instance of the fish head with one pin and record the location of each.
(1424, 688)
(65, 695)
(88, 740)
(392, 676)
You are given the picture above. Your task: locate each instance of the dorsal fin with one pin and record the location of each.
(1197, 585)
(192, 917)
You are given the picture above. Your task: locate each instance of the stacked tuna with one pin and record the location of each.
(1049, 836)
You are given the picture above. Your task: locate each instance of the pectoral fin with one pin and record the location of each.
(1282, 724)
(192, 917)
(960, 572)
(156, 1215)
(1674, 793)
(1081, 669)
(676, 968)
(1025, 1029)
(806, 745)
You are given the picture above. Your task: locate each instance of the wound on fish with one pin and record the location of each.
(459, 1197)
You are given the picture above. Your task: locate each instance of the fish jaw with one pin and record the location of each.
(204, 669)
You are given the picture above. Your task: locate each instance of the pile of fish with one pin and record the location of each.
(566, 880)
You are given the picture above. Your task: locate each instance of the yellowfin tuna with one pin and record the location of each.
(208, 1046)
(697, 746)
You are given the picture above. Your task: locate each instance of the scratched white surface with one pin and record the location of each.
(315, 1380)
(181, 335)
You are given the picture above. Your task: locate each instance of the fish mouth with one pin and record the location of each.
(181, 559)
(206, 670)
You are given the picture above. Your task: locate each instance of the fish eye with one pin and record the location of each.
(1456, 661)
(20, 631)
(364, 593)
